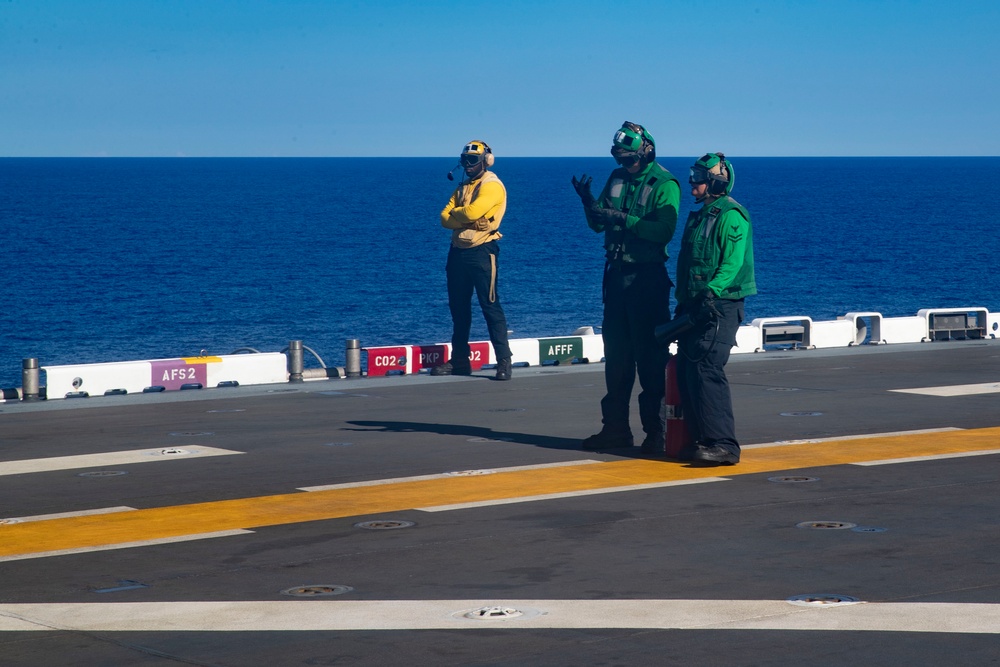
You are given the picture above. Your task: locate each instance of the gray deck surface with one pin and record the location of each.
(597, 578)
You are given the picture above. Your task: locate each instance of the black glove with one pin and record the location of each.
(609, 217)
(582, 188)
(707, 312)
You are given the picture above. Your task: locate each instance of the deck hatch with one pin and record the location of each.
(497, 613)
(822, 600)
(493, 612)
(316, 590)
(826, 525)
(385, 524)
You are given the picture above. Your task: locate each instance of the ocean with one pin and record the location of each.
(114, 259)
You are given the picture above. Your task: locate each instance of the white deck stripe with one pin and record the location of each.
(933, 457)
(345, 615)
(128, 545)
(954, 390)
(64, 515)
(445, 475)
(864, 436)
(568, 494)
(104, 459)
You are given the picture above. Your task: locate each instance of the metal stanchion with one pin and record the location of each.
(29, 380)
(353, 354)
(295, 362)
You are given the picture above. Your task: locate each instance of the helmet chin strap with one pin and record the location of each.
(480, 170)
(708, 196)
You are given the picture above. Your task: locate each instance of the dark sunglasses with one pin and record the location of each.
(627, 160)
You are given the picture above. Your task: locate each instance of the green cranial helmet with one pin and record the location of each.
(633, 141)
(717, 171)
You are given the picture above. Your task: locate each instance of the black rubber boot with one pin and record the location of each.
(608, 440)
(503, 369)
(449, 369)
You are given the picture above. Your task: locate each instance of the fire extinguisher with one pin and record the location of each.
(677, 435)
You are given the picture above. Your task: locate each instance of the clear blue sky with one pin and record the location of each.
(421, 77)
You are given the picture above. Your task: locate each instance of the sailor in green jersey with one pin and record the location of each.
(714, 276)
(637, 213)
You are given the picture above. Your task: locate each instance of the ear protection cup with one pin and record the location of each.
(488, 158)
(717, 186)
(648, 150)
(704, 171)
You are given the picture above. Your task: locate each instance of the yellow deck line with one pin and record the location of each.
(247, 513)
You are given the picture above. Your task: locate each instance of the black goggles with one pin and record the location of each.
(627, 160)
(470, 159)
(698, 176)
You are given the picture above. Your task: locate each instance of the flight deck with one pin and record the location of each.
(454, 521)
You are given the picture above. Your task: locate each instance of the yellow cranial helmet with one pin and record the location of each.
(476, 152)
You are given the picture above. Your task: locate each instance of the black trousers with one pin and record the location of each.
(706, 401)
(475, 269)
(636, 300)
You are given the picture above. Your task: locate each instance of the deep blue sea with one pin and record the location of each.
(127, 259)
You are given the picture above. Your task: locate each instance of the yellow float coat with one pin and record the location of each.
(475, 210)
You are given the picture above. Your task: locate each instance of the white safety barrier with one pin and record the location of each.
(524, 351)
(164, 374)
(958, 323)
(867, 326)
(904, 330)
(994, 325)
(795, 330)
(593, 348)
(97, 379)
(408, 359)
(748, 339)
(832, 334)
(762, 334)
(864, 327)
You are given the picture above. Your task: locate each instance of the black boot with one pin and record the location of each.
(449, 369)
(655, 444)
(608, 440)
(503, 369)
(716, 454)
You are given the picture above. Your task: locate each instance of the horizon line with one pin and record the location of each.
(449, 156)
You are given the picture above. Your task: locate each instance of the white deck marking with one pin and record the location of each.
(954, 390)
(446, 475)
(889, 434)
(128, 545)
(934, 457)
(63, 515)
(568, 494)
(346, 615)
(105, 459)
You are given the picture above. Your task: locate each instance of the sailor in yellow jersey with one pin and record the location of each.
(473, 214)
